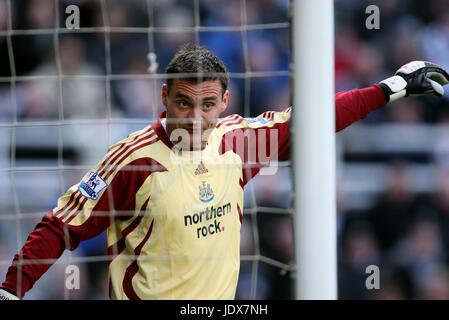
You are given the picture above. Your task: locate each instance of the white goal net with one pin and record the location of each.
(67, 93)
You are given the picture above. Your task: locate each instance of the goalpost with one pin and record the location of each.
(314, 150)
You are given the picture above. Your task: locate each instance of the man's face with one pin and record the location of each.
(193, 109)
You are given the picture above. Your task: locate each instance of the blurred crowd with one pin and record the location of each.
(402, 229)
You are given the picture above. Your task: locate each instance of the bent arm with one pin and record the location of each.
(83, 212)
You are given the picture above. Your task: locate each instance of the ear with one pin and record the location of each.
(225, 101)
(164, 93)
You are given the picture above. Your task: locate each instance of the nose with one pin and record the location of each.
(196, 114)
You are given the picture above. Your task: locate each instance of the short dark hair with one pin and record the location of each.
(202, 63)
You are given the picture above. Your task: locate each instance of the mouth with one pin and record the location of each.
(194, 129)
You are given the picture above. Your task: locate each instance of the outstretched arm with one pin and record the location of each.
(413, 79)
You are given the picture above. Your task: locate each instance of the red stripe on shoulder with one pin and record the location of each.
(223, 121)
(265, 114)
(124, 186)
(128, 153)
(126, 147)
(234, 122)
(113, 159)
(122, 148)
(123, 145)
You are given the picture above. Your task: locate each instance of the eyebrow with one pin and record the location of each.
(184, 96)
(213, 98)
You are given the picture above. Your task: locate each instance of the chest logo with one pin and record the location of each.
(201, 169)
(206, 192)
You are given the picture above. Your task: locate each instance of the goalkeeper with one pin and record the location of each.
(171, 195)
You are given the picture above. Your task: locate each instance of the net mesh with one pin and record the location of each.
(68, 94)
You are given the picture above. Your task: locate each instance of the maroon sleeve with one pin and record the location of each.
(351, 106)
(52, 236)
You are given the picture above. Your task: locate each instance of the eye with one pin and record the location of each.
(208, 106)
(182, 104)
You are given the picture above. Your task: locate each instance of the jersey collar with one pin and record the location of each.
(161, 130)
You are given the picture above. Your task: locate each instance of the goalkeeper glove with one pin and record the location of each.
(415, 78)
(5, 295)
